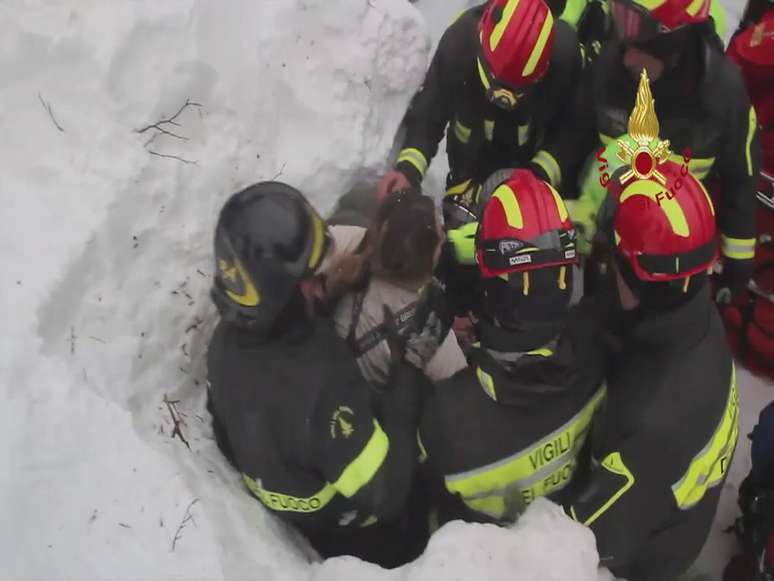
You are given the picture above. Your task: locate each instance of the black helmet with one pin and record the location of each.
(268, 239)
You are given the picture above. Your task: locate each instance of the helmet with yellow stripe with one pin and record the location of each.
(267, 239)
(663, 218)
(516, 39)
(524, 226)
(641, 21)
(525, 246)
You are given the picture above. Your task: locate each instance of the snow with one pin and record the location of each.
(106, 252)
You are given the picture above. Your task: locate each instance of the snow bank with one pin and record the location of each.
(106, 252)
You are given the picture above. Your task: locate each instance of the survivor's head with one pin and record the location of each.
(405, 239)
(269, 241)
(525, 249)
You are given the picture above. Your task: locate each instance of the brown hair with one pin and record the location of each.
(399, 245)
(403, 238)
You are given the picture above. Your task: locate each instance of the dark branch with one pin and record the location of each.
(187, 517)
(176, 420)
(171, 120)
(187, 161)
(47, 107)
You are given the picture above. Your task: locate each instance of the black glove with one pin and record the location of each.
(733, 279)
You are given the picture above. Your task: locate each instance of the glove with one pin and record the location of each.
(734, 278)
(463, 243)
(460, 204)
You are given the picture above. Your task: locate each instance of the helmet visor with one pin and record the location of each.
(634, 24)
(498, 256)
(659, 267)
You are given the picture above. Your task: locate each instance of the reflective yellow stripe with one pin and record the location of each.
(550, 166)
(510, 204)
(751, 128)
(523, 134)
(287, 503)
(499, 29)
(737, 248)
(360, 471)
(544, 467)
(562, 283)
(482, 74)
(670, 207)
(613, 463)
(693, 7)
(540, 46)
(371, 520)
(488, 129)
(422, 450)
(560, 207)
(650, 4)
(543, 352)
(486, 382)
(711, 464)
(415, 158)
(462, 132)
(458, 189)
(317, 247)
(699, 167)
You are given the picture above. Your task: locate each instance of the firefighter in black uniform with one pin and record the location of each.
(291, 410)
(499, 79)
(702, 105)
(512, 426)
(672, 415)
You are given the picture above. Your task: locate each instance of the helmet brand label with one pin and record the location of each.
(522, 259)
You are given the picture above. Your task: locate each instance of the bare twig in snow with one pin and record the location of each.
(194, 326)
(187, 517)
(279, 173)
(123, 524)
(200, 272)
(72, 340)
(47, 107)
(182, 347)
(93, 516)
(96, 339)
(178, 158)
(171, 120)
(176, 419)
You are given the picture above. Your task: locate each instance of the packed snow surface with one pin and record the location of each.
(106, 255)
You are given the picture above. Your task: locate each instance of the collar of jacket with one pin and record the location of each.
(677, 329)
(528, 379)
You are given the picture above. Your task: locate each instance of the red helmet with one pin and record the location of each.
(516, 41)
(664, 232)
(524, 226)
(639, 21)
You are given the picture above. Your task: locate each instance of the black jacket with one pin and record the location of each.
(297, 419)
(706, 110)
(481, 137)
(670, 430)
(500, 435)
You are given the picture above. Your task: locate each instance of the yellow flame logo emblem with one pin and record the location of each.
(242, 290)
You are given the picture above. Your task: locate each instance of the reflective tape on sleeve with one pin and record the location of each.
(361, 470)
(415, 158)
(737, 248)
(549, 164)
